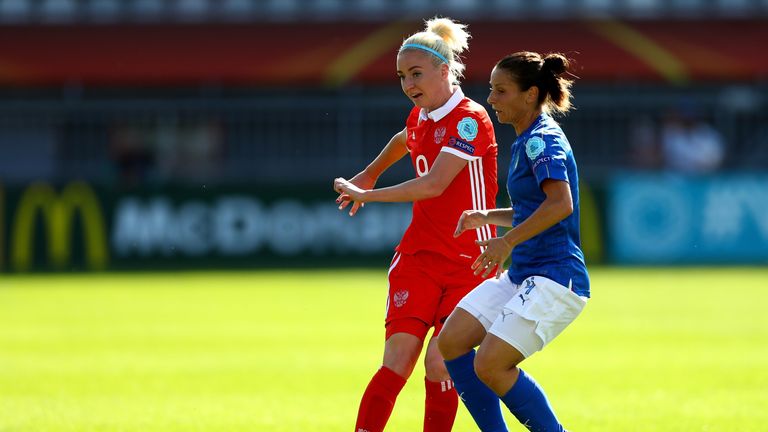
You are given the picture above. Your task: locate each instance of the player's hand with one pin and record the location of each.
(348, 192)
(470, 219)
(361, 180)
(497, 250)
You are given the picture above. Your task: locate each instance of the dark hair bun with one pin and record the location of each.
(555, 63)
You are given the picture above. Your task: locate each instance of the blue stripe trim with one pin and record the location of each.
(426, 48)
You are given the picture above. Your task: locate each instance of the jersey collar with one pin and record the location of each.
(539, 120)
(438, 114)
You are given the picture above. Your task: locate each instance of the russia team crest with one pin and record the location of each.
(400, 298)
(439, 134)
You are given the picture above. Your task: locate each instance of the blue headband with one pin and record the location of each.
(427, 49)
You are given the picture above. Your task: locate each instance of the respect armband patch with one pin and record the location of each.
(461, 145)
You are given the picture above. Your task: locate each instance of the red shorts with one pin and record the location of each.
(424, 288)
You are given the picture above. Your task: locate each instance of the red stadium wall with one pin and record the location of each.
(338, 53)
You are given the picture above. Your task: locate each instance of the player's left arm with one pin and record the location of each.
(446, 167)
(557, 206)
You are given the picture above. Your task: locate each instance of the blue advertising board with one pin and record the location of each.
(673, 219)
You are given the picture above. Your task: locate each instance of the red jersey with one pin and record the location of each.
(460, 127)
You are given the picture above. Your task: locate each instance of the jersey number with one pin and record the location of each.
(421, 165)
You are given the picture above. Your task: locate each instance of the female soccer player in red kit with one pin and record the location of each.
(453, 150)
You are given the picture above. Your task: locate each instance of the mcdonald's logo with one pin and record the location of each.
(58, 211)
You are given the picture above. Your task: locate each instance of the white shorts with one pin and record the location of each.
(527, 316)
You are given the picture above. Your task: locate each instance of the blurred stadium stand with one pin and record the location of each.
(232, 103)
(221, 136)
(257, 94)
(101, 11)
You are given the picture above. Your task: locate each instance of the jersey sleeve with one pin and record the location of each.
(547, 155)
(468, 136)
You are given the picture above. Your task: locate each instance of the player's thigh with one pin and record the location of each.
(460, 334)
(496, 353)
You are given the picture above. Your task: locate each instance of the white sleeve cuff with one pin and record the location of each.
(459, 153)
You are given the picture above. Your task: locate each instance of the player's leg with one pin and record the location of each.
(410, 306)
(463, 331)
(401, 352)
(441, 400)
(538, 312)
(496, 365)
(460, 335)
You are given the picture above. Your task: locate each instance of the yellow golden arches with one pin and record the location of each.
(367, 50)
(642, 47)
(58, 212)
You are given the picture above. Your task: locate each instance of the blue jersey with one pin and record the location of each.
(543, 152)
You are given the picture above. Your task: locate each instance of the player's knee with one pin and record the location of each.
(453, 344)
(486, 368)
(401, 362)
(434, 366)
(401, 351)
(445, 345)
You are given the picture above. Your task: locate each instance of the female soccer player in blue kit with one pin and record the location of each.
(516, 314)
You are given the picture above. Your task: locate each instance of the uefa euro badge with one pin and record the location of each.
(467, 128)
(534, 147)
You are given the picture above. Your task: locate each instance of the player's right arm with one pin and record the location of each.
(471, 219)
(391, 153)
(366, 179)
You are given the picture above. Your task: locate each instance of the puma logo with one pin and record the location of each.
(529, 285)
(524, 299)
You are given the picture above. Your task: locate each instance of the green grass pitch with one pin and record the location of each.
(655, 350)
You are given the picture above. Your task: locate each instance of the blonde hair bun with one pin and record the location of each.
(445, 36)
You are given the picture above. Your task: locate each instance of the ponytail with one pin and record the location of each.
(530, 69)
(557, 88)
